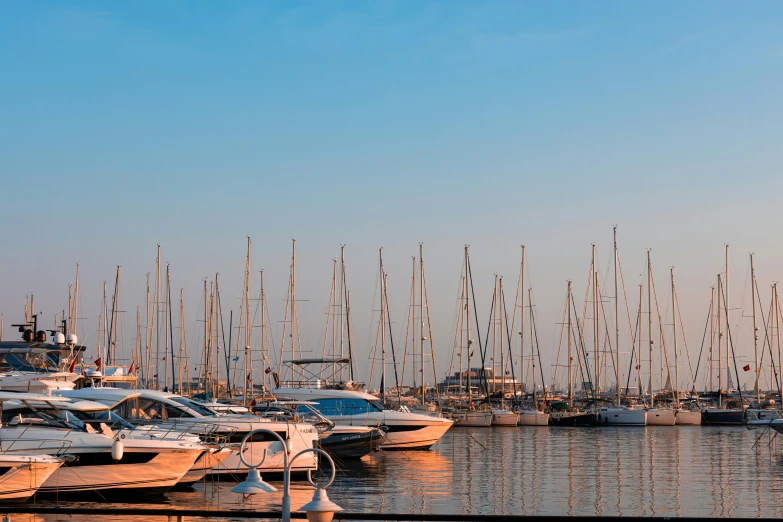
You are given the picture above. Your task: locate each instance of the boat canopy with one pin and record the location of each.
(302, 362)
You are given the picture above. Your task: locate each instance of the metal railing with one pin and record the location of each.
(181, 514)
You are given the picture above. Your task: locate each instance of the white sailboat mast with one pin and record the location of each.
(727, 304)
(422, 337)
(674, 334)
(570, 348)
(293, 304)
(596, 330)
(756, 368)
(616, 321)
(649, 326)
(720, 345)
(522, 322)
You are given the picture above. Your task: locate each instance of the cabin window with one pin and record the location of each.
(330, 407)
(157, 410)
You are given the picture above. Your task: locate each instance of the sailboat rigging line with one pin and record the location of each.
(227, 351)
(429, 329)
(535, 336)
(411, 305)
(608, 339)
(391, 343)
(703, 339)
(767, 341)
(111, 355)
(663, 337)
(633, 354)
(478, 333)
(171, 326)
(489, 327)
(581, 344)
(731, 344)
(347, 319)
(510, 354)
(559, 348)
(684, 337)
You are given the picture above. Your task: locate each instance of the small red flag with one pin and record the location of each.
(98, 362)
(268, 370)
(746, 367)
(73, 365)
(130, 370)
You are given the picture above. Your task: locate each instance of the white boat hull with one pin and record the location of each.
(26, 475)
(404, 430)
(273, 463)
(621, 417)
(533, 418)
(660, 417)
(504, 418)
(156, 476)
(472, 419)
(688, 418)
(204, 465)
(146, 466)
(420, 439)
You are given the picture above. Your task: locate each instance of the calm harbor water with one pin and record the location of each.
(662, 471)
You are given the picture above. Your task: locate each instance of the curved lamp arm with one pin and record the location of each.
(318, 452)
(246, 439)
(286, 511)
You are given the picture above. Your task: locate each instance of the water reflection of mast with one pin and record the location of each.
(535, 470)
(570, 473)
(652, 467)
(730, 463)
(618, 441)
(599, 483)
(677, 503)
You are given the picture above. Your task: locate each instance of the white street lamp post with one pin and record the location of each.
(320, 509)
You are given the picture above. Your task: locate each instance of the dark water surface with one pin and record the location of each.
(662, 471)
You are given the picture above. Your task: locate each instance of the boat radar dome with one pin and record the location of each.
(28, 335)
(58, 338)
(40, 336)
(71, 339)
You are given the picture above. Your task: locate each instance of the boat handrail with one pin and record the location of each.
(9, 448)
(210, 431)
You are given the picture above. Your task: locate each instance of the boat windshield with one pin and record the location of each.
(40, 363)
(193, 405)
(26, 415)
(329, 407)
(79, 420)
(96, 418)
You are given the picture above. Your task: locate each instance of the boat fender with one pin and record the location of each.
(117, 450)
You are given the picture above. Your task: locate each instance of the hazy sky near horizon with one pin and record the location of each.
(386, 124)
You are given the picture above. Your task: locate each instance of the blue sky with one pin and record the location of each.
(372, 124)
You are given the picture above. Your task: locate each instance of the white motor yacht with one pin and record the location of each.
(168, 411)
(108, 459)
(404, 430)
(32, 364)
(344, 404)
